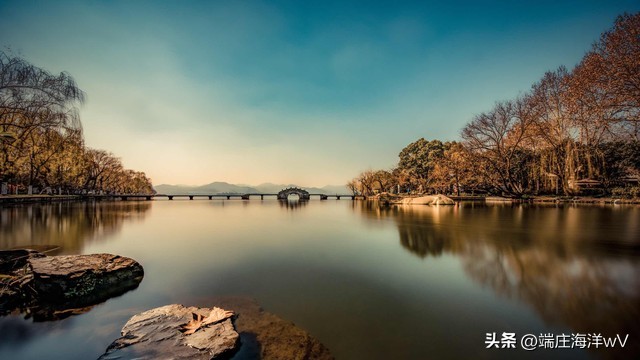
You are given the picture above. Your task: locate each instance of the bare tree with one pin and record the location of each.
(613, 68)
(498, 139)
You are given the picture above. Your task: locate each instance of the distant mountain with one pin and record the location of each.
(335, 189)
(226, 188)
(213, 188)
(273, 188)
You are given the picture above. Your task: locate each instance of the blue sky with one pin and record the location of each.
(291, 91)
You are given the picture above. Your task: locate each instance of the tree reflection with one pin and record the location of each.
(67, 224)
(420, 242)
(577, 266)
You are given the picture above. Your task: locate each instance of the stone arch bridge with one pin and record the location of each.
(302, 194)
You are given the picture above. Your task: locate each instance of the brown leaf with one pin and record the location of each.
(193, 325)
(216, 315)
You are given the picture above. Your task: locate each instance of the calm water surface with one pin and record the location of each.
(370, 283)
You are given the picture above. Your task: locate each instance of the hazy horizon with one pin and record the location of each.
(288, 92)
(248, 184)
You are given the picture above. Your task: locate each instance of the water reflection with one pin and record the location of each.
(66, 224)
(576, 266)
(369, 282)
(16, 332)
(293, 204)
(43, 310)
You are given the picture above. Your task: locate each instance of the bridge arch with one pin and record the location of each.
(284, 194)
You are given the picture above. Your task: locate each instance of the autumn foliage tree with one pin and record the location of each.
(611, 73)
(42, 143)
(454, 173)
(573, 127)
(564, 130)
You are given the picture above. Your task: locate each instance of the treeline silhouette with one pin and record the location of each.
(41, 140)
(573, 132)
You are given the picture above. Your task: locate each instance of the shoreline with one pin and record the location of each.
(585, 200)
(35, 199)
(552, 199)
(28, 199)
(544, 199)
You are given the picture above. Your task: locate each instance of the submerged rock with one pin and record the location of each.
(78, 280)
(266, 336)
(155, 334)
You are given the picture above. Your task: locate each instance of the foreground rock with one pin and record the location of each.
(156, 334)
(251, 334)
(84, 279)
(428, 200)
(53, 287)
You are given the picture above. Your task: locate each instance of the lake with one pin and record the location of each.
(368, 282)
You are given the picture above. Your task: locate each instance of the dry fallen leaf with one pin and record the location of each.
(198, 321)
(217, 315)
(193, 325)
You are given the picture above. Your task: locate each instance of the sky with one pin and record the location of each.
(304, 92)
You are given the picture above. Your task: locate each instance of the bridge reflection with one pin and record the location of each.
(293, 204)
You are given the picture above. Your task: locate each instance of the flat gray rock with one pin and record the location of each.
(155, 334)
(83, 279)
